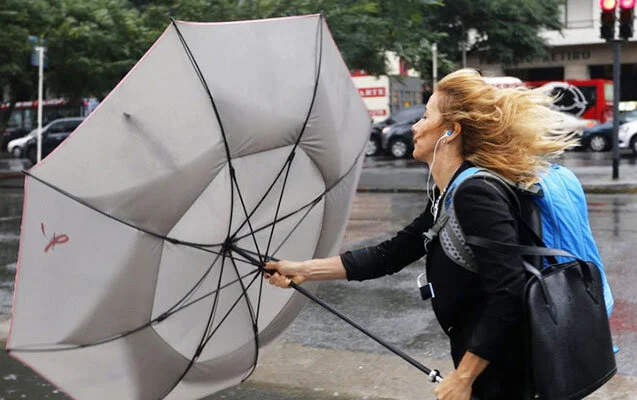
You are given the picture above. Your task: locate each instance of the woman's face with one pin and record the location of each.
(427, 131)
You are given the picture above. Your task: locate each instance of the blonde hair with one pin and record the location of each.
(512, 131)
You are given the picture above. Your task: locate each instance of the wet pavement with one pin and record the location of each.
(593, 169)
(317, 344)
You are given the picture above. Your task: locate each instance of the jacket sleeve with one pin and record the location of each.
(483, 210)
(391, 255)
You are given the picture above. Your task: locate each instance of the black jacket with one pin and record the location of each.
(481, 313)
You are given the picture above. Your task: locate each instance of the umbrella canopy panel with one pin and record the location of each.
(145, 232)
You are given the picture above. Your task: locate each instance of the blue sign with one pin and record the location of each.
(35, 42)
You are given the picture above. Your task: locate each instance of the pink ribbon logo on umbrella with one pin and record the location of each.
(56, 239)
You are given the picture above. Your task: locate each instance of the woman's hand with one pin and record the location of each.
(453, 387)
(286, 272)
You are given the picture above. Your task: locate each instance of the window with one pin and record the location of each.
(608, 91)
(58, 127)
(577, 14)
(72, 125)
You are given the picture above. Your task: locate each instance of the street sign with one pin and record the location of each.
(35, 42)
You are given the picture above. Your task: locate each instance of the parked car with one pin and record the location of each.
(413, 113)
(16, 146)
(52, 135)
(597, 138)
(600, 137)
(628, 136)
(398, 139)
(10, 134)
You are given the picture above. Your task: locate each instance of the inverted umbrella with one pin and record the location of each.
(144, 235)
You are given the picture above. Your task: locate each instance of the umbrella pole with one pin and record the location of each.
(434, 375)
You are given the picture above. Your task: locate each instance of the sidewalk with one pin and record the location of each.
(363, 375)
(11, 175)
(594, 179)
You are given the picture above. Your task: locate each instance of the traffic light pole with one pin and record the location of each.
(616, 86)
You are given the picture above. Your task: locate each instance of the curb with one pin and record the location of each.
(610, 188)
(591, 188)
(599, 187)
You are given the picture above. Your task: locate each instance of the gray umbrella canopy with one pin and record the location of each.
(144, 234)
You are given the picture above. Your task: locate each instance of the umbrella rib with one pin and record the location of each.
(270, 257)
(254, 319)
(114, 218)
(177, 241)
(212, 292)
(245, 212)
(230, 310)
(288, 161)
(196, 286)
(202, 79)
(434, 374)
(172, 310)
(202, 341)
(278, 207)
(154, 321)
(256, 207)
(315, 200)
(186, 243)
(294, 228)
(206, 340)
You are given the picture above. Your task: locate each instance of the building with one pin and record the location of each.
(383, 95)
(576, 53)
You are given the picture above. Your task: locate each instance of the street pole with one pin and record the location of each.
(463, 43)
(616, 86)
(40, 50)
(434, 65)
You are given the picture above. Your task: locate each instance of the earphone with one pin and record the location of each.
(447, 134)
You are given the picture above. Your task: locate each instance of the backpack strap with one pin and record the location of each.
(449, 230)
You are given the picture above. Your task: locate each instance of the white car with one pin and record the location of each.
(16, 146)
(627, 136)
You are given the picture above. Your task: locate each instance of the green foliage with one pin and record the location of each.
(507, 31)
(19, 19)
(93, 43)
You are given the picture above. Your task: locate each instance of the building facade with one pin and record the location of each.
(577, 52)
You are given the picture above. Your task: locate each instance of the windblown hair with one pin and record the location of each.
(512, 132)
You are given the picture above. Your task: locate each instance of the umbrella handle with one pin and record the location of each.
(434, 374)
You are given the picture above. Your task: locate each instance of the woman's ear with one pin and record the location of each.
(455, 130)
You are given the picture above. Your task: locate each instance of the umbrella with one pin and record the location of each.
(145, 233)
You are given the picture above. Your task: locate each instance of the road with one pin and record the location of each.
(320, 357)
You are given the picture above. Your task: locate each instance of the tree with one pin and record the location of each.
(92, 44)
(19, 19)
(357, 25)
(507, 31)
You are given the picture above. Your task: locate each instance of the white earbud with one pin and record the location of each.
(447, 133)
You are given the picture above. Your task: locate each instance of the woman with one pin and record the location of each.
(467, 123)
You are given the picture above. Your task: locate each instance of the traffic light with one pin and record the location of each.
(608, 7)
(626, 10)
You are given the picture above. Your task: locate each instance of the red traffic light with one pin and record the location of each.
(626, 4)
(610, 5)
